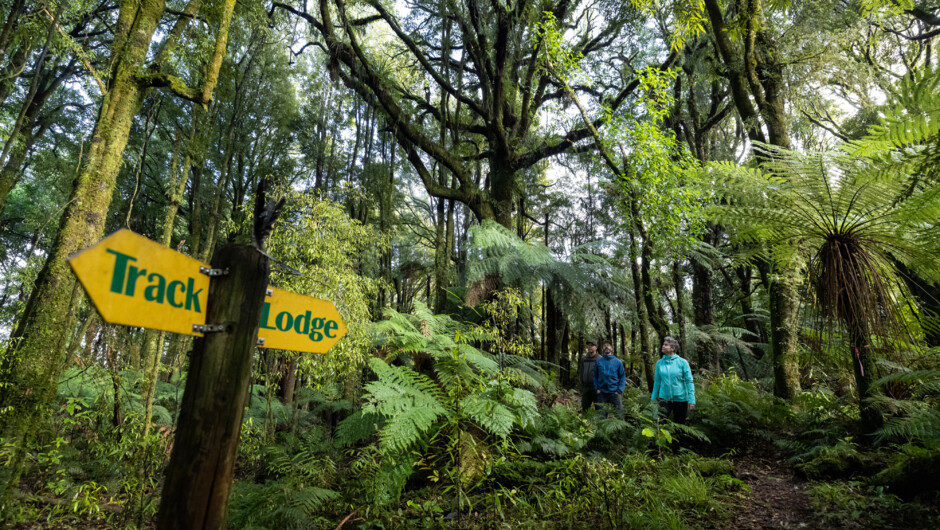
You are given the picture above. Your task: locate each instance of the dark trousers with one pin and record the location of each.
(611, 398)
(587, 397)
(678, 409)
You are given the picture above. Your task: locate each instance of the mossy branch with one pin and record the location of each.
(175, 84)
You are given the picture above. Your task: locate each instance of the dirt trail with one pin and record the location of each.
(777, 499)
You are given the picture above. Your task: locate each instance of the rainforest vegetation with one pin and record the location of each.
(482, 188)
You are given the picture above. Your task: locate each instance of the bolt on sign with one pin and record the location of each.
(291, 321)
(137, 282)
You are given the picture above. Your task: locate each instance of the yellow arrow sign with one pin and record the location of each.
(291, 321)
(137, 282)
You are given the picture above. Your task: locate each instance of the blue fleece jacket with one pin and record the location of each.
(609, 375)
(673, 380)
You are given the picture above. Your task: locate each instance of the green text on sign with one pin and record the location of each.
(137, 282)
(291, 321)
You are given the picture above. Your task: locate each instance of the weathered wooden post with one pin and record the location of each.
(199, 477)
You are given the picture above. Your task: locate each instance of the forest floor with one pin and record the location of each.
(777, 499)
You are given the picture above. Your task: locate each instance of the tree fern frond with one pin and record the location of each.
(356, 427)
(489, 414)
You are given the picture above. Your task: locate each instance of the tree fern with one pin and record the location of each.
(357, 427)
(278, 504)
(584, 282)
(916, 419)
(906, 144)
(409, 402)
(855, 229)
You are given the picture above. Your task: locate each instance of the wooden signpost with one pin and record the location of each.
(230, 309)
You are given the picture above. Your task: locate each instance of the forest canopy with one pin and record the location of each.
(530, 216)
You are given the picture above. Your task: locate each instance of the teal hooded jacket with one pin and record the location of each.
(672, 380)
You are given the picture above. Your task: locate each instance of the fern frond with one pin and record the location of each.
(489, 414)
(410, 403)
(356, 427)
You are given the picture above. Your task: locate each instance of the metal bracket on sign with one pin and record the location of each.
(260, 341)
(268, 292)
(208, 328)
(213, 272)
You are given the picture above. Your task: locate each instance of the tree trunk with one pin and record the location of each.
(212, 229)
(552, 331)
(679, 282)
(564, 356)
(646, 349)
(155, 340)
(751, 322)
(117, 417)
(36, 357)
(783, 333)
(440, 258)
(759, 76)
(702, 286)
(288, 382)
(863, 365)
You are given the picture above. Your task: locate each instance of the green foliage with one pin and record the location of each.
(688, 18)
(409, 402)
(293, 490)
(917, 418)
(852, 504)
(636, 492)
(553, 55)
(730, 411)
(585, 284)
(904, 146)
(415, 413)
(318, 239)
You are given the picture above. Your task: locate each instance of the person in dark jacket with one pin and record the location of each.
(586, 373)
(610, 378)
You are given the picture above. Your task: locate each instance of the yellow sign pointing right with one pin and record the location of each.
(291, 321)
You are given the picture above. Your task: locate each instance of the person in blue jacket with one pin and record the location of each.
(672, 383)
(609, 380)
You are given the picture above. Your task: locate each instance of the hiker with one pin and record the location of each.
(610, 378)
(672, 383)
(586, 373)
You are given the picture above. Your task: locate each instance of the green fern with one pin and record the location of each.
(278, 504)
(916, 419)
(586, 283)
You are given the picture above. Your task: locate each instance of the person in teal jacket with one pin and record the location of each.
(672, 383)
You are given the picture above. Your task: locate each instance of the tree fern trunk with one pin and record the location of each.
(863, 366)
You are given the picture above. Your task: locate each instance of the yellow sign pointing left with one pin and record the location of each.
(137, 282)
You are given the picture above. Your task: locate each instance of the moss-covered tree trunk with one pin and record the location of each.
(784, 304)
(37, 353)
(751, 322)
(441, 257)
(755, 77)
(646, 348)
(678, 280)
(154, 343)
